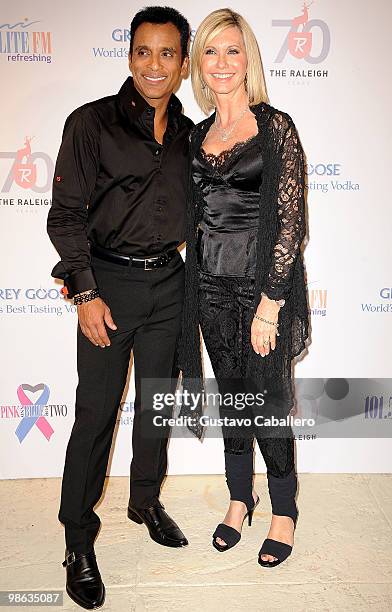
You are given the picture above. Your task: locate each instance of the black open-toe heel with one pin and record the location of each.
(282, 493)
(239, 478)
(230, 535)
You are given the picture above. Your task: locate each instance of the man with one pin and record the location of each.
(118, 216)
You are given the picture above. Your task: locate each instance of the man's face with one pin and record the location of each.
(155, 62)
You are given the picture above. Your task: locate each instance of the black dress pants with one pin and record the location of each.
(226, 316)
(146, 306)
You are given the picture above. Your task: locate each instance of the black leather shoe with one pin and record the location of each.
(84, 583)
(161, 527)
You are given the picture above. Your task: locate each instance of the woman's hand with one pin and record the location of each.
(263, 335)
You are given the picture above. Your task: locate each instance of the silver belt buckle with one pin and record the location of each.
(149, 259)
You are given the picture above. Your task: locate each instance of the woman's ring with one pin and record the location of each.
(266, 342)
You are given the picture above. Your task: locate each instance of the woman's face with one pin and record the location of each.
(224, 62)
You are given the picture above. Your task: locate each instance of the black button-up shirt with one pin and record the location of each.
(115, 186)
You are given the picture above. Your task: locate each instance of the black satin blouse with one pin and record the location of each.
(230, 184)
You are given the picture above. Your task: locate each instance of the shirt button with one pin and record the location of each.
(157, 152)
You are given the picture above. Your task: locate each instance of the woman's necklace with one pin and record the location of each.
(225, 133)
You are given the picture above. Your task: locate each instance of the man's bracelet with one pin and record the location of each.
(86, 296)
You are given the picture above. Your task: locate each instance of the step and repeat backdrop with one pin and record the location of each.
(327, 64)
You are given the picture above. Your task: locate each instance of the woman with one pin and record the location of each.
(244, 269)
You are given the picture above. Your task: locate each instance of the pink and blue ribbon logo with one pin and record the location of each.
(33, 416)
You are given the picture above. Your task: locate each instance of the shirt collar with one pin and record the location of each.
(135, 105)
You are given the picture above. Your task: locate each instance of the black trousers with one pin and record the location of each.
(226, 316)
(146, 306)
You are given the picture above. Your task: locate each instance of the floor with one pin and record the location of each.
(342, 558)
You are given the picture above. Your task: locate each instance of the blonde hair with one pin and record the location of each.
(210, 27)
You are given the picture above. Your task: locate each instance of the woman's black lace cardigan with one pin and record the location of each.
(279, 263)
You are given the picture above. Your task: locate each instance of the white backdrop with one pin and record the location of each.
(55, 56)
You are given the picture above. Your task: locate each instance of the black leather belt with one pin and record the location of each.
(147, 263)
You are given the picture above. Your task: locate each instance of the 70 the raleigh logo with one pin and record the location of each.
(300, 37)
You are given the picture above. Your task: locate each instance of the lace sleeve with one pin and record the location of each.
(291, 213)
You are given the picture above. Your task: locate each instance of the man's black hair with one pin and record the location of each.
(161, 15)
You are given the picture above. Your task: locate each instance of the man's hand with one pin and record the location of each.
(263, 335)
(92, 318)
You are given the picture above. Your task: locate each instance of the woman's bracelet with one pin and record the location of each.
(280, 303)
(269, 322)
(265, 320)
(86, 296)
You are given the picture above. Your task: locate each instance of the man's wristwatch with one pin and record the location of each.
(279, 302)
